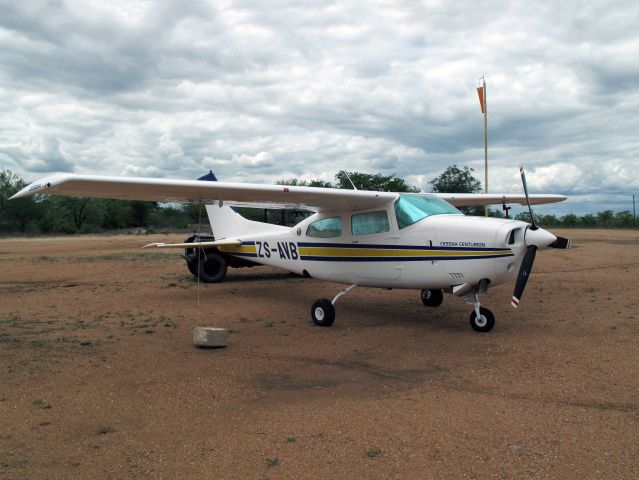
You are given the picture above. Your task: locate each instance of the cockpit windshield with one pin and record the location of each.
(410, 209)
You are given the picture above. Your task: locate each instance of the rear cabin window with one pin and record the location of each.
(371, 222)
(325, 228)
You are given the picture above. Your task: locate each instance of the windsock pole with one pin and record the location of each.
(481, 91)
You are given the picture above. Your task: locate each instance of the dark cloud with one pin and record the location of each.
(41, 156)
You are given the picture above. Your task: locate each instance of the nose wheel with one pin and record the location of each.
(481, 319)
(484, 322)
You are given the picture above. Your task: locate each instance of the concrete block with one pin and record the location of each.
(210, 337)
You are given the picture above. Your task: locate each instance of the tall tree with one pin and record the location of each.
(458, 180)
(10, 183)
(376, 182)
(296, 182)
(115, 213)
(15, 215)
(141, 212)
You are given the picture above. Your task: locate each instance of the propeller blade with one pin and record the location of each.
(561, 242)
(523, 180)
(524, 273)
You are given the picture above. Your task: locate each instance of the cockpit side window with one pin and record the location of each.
(325, 228)
(410, 209)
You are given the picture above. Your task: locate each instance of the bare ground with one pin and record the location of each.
(99, 377)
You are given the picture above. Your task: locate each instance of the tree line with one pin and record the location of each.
(52, 214)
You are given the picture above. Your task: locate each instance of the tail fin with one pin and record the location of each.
(226, 223)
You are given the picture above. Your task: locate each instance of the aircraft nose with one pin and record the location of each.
(539, 237)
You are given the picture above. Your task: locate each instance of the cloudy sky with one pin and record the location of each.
(258, 91)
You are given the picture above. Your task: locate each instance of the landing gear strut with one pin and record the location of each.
(481, 319)
(323, 310)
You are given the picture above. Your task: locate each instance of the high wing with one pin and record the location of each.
(167, 190)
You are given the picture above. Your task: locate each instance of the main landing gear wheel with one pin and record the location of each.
(323, 312)
(192, 268)
(432, 298)
(484, 322)
(212, 268)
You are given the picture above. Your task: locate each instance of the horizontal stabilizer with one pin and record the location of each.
(218, 243)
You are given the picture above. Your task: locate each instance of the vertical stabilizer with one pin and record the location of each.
(226, 223)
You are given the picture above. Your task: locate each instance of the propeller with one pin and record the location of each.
(561, 242)
(523, 180)
(524, 273)
(535, 237)
(529, 258)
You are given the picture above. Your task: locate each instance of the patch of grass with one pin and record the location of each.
(291, 439)
(105, 430)
(65, 339)
(107, 258)
(272, 462)
(42, 404)
(12, 320)
(34, 287)
(6, 337)
(143, 322)
(374, 453)
(14, 464)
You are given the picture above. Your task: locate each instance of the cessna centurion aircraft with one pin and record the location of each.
(358, 238)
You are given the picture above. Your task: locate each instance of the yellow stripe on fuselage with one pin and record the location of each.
(393, 252)
(238, 249)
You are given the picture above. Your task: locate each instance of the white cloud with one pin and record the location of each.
(261, 91)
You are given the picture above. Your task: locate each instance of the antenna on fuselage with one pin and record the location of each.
(349, 179)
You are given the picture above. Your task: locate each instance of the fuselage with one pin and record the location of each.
(381, 248)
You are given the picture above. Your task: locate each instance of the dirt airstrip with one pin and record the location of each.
(99, 377)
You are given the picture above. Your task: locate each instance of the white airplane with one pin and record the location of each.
(358, 238)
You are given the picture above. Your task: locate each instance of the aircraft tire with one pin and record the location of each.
(323, 312)
(485, 322)
(432, 298)
(212, 268)
(192, 268)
